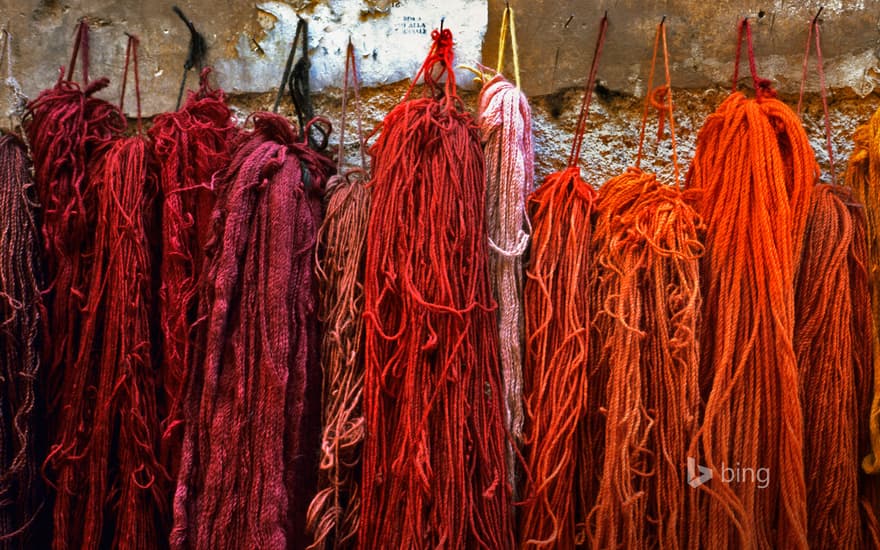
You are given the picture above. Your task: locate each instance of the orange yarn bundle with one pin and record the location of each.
(755, 168)
(832, 342)
(557, 375)
(647, 249)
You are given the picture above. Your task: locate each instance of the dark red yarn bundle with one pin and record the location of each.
(107, 474)
(190, 146)
(434, 471)
(68, 130)
(22, 330)
(252, 408)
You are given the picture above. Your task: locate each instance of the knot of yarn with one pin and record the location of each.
(764, 88)
(659, 98)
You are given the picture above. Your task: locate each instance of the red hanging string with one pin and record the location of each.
(252, 407)
(434, 466)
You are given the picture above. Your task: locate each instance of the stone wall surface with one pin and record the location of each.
(248, 42)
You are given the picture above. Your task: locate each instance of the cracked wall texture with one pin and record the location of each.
(247, 41)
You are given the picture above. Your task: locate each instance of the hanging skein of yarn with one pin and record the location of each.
(647, 248)
(68, 130)
(190, 146)
(562, 435)
(22, 333)
(833, 332)
(334, 513)
(110, 481)
(434, 468)
(755, 169)
(252, 408)
(506, 127)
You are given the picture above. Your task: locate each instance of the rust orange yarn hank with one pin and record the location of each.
(833, 345)
(560, 435)
(647, 247)
(756, 170)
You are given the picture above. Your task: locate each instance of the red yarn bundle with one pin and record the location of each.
(252, 408)
(563, 434)
(108, 476)
(68, 130)
(190, 145)
(434, 464)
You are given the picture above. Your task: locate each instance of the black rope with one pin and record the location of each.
(198, 49)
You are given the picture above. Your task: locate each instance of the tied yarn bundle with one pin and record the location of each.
(190, 145)
(832, 342)
(434, 469)
(755, 169)
(863, 178)
(252, 410)
(562, 441)
(833, 334)
(334, 513)
(22, 332)
(68, 130)
(647, 247)
(506, 128)
(108, 475)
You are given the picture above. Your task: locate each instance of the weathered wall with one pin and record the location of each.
(248, 44)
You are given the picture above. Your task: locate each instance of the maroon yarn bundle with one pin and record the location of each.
(434, 469)
(22, 328)
(68, 130)
(190, 145)
(252, 409)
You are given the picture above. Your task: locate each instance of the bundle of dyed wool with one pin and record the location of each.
(647, 247)
(506, 128)
(334, 513)
(252, 408)
(190, 145)
(68, 130)
(561, 434)
(833, 333)
(434, 470)
(755, 169)
(109, 477)
(22, 333)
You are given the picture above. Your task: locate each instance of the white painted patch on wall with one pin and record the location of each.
(390, 46)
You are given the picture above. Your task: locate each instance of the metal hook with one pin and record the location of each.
(442, 20)
(818, 13)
